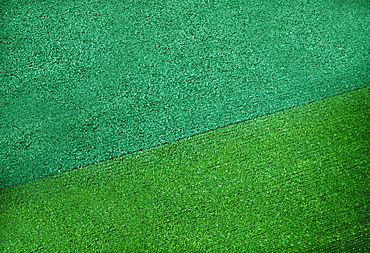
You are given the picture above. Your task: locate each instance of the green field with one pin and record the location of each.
(293, 181)
(86, 81)
(184, 126)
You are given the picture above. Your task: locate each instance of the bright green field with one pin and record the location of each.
(184, 126)
(294, 181)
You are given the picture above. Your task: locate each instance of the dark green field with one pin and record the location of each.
(184, 126)
(86, 81)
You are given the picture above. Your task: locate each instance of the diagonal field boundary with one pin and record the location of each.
(293, 181)
(86, 81)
